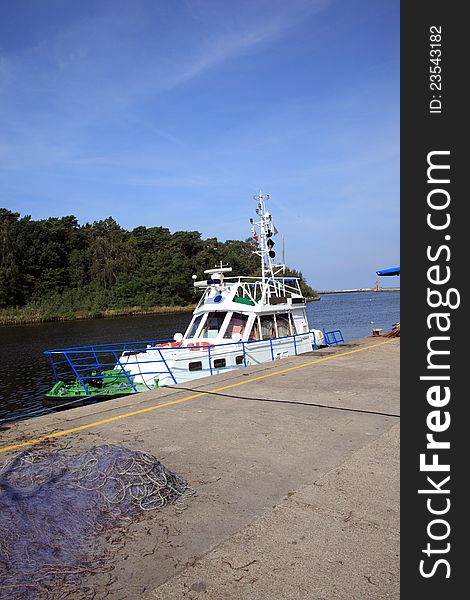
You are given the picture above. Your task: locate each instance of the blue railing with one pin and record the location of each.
(87, 364)
(94, 365)
(333, 337)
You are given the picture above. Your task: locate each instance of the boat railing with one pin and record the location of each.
(93, 364)
(96, 365)
(255, 288)
(277, 284)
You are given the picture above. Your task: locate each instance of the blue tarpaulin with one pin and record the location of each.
(387, 272)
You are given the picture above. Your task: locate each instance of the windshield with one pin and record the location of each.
(212, 325)
(193, 327)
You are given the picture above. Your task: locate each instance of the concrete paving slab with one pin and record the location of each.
(337, 538)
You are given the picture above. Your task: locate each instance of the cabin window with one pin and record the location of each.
(239, 360)
(283, 325)
(254, 334)
(268, 327)
(236, 326)
(219, 363)
(212, 325)
(193, 327)
(195, 366)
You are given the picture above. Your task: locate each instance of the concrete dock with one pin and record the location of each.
(296, 470)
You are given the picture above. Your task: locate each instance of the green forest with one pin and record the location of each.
(57, 268)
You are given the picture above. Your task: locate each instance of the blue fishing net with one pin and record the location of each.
(61, 512)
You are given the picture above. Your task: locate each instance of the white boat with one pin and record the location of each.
(238, 322)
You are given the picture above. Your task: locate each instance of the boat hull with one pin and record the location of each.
(164, 365)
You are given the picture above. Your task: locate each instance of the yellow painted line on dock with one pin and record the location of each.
(141, 411)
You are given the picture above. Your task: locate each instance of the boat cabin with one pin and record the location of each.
(247, 309)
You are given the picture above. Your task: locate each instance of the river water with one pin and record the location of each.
(26, 375)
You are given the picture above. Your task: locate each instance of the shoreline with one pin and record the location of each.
(356, 290)
(131, 311)
(32, 318)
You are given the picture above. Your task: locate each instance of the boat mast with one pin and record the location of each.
(264, 241)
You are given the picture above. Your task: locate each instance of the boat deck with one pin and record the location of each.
(295, 467)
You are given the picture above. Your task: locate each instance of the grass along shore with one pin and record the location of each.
(30, 316)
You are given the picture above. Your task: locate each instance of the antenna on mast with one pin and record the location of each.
(265, 243)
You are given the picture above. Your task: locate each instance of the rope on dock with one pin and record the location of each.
(294, 402)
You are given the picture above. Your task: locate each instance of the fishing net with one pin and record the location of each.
(60, 513)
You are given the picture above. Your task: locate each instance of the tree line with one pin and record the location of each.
(60, 267)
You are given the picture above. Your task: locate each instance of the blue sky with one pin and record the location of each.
(175, 112)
